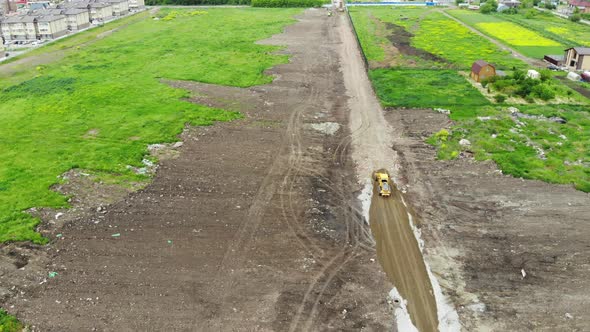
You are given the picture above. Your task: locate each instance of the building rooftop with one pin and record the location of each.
(50, 18)
(581, 50)
(579, 3)
(478, 65)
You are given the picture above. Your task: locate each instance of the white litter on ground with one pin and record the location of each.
(365, 197)
(402, 316)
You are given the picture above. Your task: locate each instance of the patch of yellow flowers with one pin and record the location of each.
(514, 34)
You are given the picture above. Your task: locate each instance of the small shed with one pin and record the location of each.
(533, 74)
(554, 59)
(481, 70)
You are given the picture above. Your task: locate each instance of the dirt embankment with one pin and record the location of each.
(253, 226)
(512, 253)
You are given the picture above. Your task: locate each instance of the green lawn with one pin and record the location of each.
(99, 107)
(432, 32)
(526, 41)
(425, 89)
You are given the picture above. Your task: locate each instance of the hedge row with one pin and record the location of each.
(195, 2)
(287, 3)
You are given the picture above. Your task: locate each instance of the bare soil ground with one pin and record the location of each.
(254, 226)
(512, 253)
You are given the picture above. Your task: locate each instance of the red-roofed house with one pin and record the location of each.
(583, 6)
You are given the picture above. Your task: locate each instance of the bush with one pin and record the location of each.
(500, 98)
(287, 3)
(442, 135)
(575, 18)
(9, 323)
(489, 7)
(545, 75)
(543, 91)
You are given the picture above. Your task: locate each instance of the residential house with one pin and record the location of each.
(19, 28)
(77, 18)
(136, 4)
(97, 11)
(511, 3)
(52, 26)
(120, 7)
(481, 70)
(100, 11)
(577, 58)
(582, 5)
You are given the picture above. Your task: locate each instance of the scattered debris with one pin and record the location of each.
(328, 128)
(485, 118)
(59, 214)
(116, 235)
(568, 315)
(443, 111)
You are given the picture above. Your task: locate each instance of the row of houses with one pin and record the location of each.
(54, 22)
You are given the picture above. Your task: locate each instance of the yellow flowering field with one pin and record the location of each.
(444, 37)
(514, 34)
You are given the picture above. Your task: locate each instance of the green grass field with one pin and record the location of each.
(533, 148)
(433, 32)
(99, 107)
(425, 89)
(523, 39)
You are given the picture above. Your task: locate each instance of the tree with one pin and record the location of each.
(576, 17)
(489, 7)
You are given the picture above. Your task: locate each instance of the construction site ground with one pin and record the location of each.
(255, 225)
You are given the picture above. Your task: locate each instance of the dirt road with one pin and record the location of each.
(371, 139)
(400, 256)
(254, 226)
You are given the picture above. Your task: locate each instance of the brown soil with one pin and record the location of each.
(254, 226)
(583, 90)
(482, 229)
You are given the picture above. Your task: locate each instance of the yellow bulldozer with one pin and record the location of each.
(383, 180)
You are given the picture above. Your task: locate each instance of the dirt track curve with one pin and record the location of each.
(253, 227)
